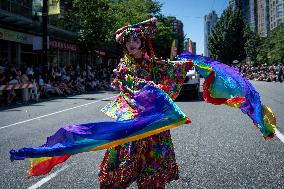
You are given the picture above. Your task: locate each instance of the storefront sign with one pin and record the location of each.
(63, 45)
(16, 36)
(37, 7)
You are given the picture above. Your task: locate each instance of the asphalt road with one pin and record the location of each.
(220, 148)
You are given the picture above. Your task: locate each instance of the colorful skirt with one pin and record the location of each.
(149, 161)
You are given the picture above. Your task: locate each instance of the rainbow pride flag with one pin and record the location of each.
(156, 112)
(225, 85)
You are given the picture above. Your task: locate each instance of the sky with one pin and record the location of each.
(191, 13)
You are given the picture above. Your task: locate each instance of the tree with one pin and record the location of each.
(163, 40)
(126, 12)
(271, 50)
(165, 36)
(95, 18)
(226, 42)
(252, 43)
(180, 46)
(132, 11)
(66, 20)
(99, 19)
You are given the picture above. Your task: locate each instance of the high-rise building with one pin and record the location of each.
(176, 25)
(209, 22)
(194, 47)
(261, 15)
(243, 6)
(252, 15)
(276, 10)
(234, 3)
(248, 11)
(263, 18)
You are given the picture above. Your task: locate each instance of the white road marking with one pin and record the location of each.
(279, 135)
(39, 117)
(47, 178)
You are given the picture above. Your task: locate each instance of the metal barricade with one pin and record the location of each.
(24, 87)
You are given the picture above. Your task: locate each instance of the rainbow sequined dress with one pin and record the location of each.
(149, 161)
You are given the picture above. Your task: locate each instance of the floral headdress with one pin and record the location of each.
(145, 29)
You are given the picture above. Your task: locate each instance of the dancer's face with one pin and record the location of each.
(133, 46)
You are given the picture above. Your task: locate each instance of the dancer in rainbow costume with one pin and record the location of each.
(138, 142)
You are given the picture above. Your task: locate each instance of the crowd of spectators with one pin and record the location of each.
(71, 80)
(262, 72)
(57, 81)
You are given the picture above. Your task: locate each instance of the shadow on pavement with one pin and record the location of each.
(53, 99)
(189, 98)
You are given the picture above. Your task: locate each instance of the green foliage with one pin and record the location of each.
(252, 43)
(232, 40)
(271, 50)
(163, 40)
(66, 20)
(95, 18)
(99, 19)
(132, 11)
(226, 42)
(180, 45)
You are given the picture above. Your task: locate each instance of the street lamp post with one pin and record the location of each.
(44, 34)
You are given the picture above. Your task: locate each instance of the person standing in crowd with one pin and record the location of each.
(11, 92)
(280, 73)
(2, 82)
(34, 92)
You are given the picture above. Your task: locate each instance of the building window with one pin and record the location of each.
(21, 7)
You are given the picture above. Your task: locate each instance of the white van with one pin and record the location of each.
(191, 84)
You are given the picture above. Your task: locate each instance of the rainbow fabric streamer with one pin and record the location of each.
(225, 85)
(156, 112)
(150, 111)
